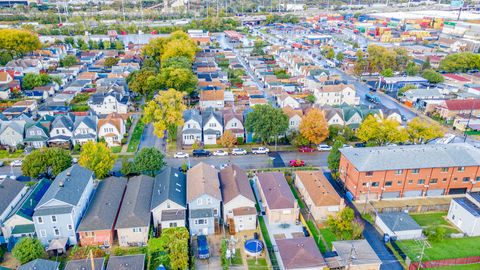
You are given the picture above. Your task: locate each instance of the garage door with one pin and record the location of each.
(371, 197)
(457, 191)
(412, 193)
(435, 192)
(391, 195)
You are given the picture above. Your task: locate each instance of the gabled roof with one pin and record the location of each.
(17, 126)
(90, 121)
(299, 253)
(135, 210)
(40, 264)
(355, 252)
(276, 190)
(192, 115)
(399, 221)
(85, 264)
(462, 104)
(26, 207)
(234, 182)
(103, 209)
(64, 121)
(170, 184)
(9, 189)
(318, 188)
(113, 119)
(203, 179)
(129, 262)
(209, 114)
(67, 187)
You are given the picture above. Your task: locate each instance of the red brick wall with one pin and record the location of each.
(99, 238)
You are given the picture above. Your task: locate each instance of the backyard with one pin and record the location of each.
(439, 218)
(136, 137)
(260, 264)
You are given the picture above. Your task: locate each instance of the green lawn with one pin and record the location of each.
(136, 137)
(6, 154)
(428, 219)
(329, 236)
(313, 229)
(264, 229)
(301, 204)
(116, 149)
(237, 260)
(447, 249)
(475, 266)
(259, 264)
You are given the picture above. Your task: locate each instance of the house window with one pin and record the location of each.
(477, 179)
(410, 181)
(212, 125)
(56, 231)
(43, 233)
(40, 220)
(415, 170)
(461, 169)
(466, 179)
(444, 180)
(137, 230)
(199, 201)
(173, 224)
(399, 182)
(70, 227)
(54, 219)
(433, 181)
(215, 212)
(375, 184)
(445, 169)
(168, 205)
(388, 183)
(209, 200)
(397, 172)
(369, 173)
(421, 181)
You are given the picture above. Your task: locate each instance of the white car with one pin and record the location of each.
(180, 155)
(324, 147)
(16, 163)
(260, 150)
(75, 160)
(347, 146)
(238, 151)
(220, 153)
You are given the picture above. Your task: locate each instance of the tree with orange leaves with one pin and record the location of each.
(314, 127)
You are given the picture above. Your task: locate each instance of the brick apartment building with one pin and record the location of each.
(410, 171)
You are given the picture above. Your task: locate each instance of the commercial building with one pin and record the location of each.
(410, 171)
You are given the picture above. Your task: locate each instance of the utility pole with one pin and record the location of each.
(366, 198)
(421, 255)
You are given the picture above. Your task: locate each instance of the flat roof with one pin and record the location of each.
(399, 221)
(420, 14)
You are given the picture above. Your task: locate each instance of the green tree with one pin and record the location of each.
(267, 122)
(387, 72)
(148, 161)
(69, 40)
(421, 131)
(127, 168)
(298, 140)
(68, 61)
(181, 79)
(344, 226)
(5, 57)
(340, 56)
(171, 249)
(361, 63)
(177, 62)
(31, 80)
(412, 69)
(460, 62)
(330, 53)
(111, 61)
(333, 158)
(258, 47)
(310, 98)
(426, 64)
(432, 76)
(28, 249)
(18, 42)
(97, 157)
(404, 89)
(381, 131)
(118, 45)
(143, 82)
(107, 45)
(165, 112)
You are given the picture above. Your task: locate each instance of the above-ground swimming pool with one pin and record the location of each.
(253, 247)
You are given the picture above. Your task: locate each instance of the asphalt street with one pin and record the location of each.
(149, 139)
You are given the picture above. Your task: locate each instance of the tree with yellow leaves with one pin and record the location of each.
(179, 44)
(165, 111)
(228, 139)
(375, 131)
(314, 127)
(421, 131)
(97, 157)
(18, 42)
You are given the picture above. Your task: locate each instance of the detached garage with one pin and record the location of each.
(399, 225)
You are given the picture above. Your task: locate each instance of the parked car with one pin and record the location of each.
(180, 155)
(305, 231)
(16, 163)
(74, 160)
(260, 150)
(203, 251)
(2, 163)
(306, 149)
(239, 151)
(297, 163)
(360, 145)
(347, 146)
(220, 153)
(324, 147)
(201, 153)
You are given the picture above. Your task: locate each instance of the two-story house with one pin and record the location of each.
(212, 99)
(192, 127)
(212, 126)
(11, 133)
(61, 132)
(85, 129)
(112, 129)
(133, 223)
(336, 94)
(234, 122)
(294, 118)
(107, 103)
(204, 199)
(239, 210)
(168, 204)
(11, 193)
(36, 135)
(59, 212)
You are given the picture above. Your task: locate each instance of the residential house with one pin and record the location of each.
(168, 204)
(86, 264)
(294, 118)
(112, 129)
(19, 222)
(11, 193)
(234, 122)
(192, 127)
(336, 94)
(61, 131)
(398, 225)
(355, 255)
(284, 100)
(204, 199)
(300, 253)
(13, 112)
(127, 262)
(212, 126)
(85, 129)
(450, 108)
(319, 195)
(40, 264)
(97, 227)
(5, 80)
(334, 116)
(107, 103)
(11, 133)
(212, 99)
(133, 221)
(277, 198)
(391, 114)
(464, 212)
(393, 84)
(410, 171)
(60, 210)
(239, 210)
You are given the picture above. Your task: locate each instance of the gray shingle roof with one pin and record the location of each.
(192, 114)
(234, 182)
(358, 252)
(90, 121)
(208, 114)
(103, 209)
(412, 156)
(399, 221)
(63, 121)
(135, 210)
(170, 184)
(9, 189)
(67, 187)
(47, 211)
(169, 215)
(130, 262)
(40, 264)
(85, 264)
(201, 213)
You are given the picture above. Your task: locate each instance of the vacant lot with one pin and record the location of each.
(429, 219)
